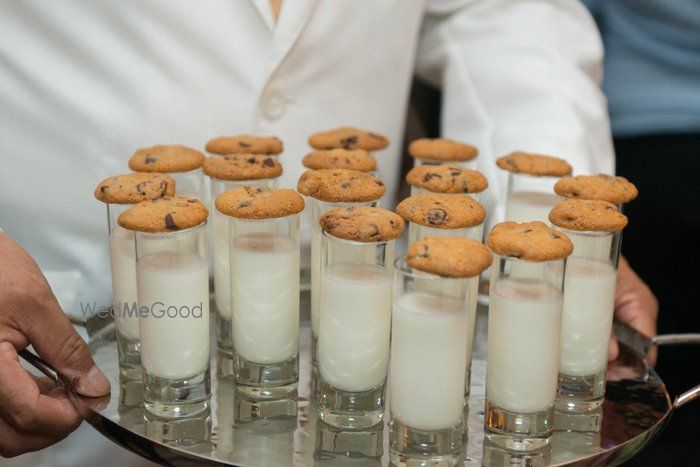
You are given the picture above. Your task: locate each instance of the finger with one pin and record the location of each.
(24, 407)
(13, 443)
(40, 318)
(613, 349)
(55, 340)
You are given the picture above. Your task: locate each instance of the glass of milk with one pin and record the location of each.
(530, 197)
(222, 279)
(264, 280)
(523, 352)
(476, 232)
(172, 276)
(122, 261)
(353, 332)
(589, 302)
(429, 339)
(319, 208)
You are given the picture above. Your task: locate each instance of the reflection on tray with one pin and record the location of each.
(635, 407)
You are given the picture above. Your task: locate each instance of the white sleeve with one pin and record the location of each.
(518, 74)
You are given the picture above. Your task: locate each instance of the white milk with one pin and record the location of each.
(173, 346)
(122, 258)
(342, 253)
(354, 326)
(589, 301)
(428, 360)
(265, 297)
(523, 346)
(528, 206)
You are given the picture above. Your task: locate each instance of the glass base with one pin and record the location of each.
(589, 422)
(130, 392)
(518, 431)
(580, 394)
(185, 432)
(494, 455)
(413, 447)
(350, 410)
(224, 363)
(175, 398)
(248, 408)
(129, 358)
(268, 380)
(332, 442)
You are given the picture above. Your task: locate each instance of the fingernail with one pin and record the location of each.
(93, 384)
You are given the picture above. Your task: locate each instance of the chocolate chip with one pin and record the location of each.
(436, 216)
(269, 162)
(103, 189)
(527, 230)
(375, 230)
(141, 188)
(455, 173)
(465, 188)
(424, 253)
(244, 145)
(251, 160)
(170, 222)
(430, 176)
(553, 235)
(347, 143)
(150, 159)
(345, 185)
(244, 204)
(328, 225)
(380, 183)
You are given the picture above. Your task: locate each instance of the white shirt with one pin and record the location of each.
(85, 83)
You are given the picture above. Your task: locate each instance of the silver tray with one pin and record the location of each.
(636, 408)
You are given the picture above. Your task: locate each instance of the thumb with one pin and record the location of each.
(53, 337)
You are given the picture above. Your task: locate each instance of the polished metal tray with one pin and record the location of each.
(635, 409)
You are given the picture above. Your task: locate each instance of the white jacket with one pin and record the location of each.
(85, 83)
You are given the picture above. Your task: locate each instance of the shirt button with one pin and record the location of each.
(273, 104)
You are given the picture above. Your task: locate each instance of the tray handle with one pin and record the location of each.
(680, 339)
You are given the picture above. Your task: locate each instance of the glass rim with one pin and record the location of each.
(173, 232)
(523, 174)
(518, 260)
(401, 266)
(342, 204)
(243, 181)
(264, 219)
(587, 233)
(354, 242)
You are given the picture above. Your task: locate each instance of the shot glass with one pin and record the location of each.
(523, 352)
(318, 208)
(530, 197)
(122, 261)
(429, 336)
(172, 275)
(264, 258)
(353, 331)
(475, 232)
(589, 302)
(222, 277)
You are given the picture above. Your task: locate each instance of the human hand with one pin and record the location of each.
(635, 306)
(34, 412)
